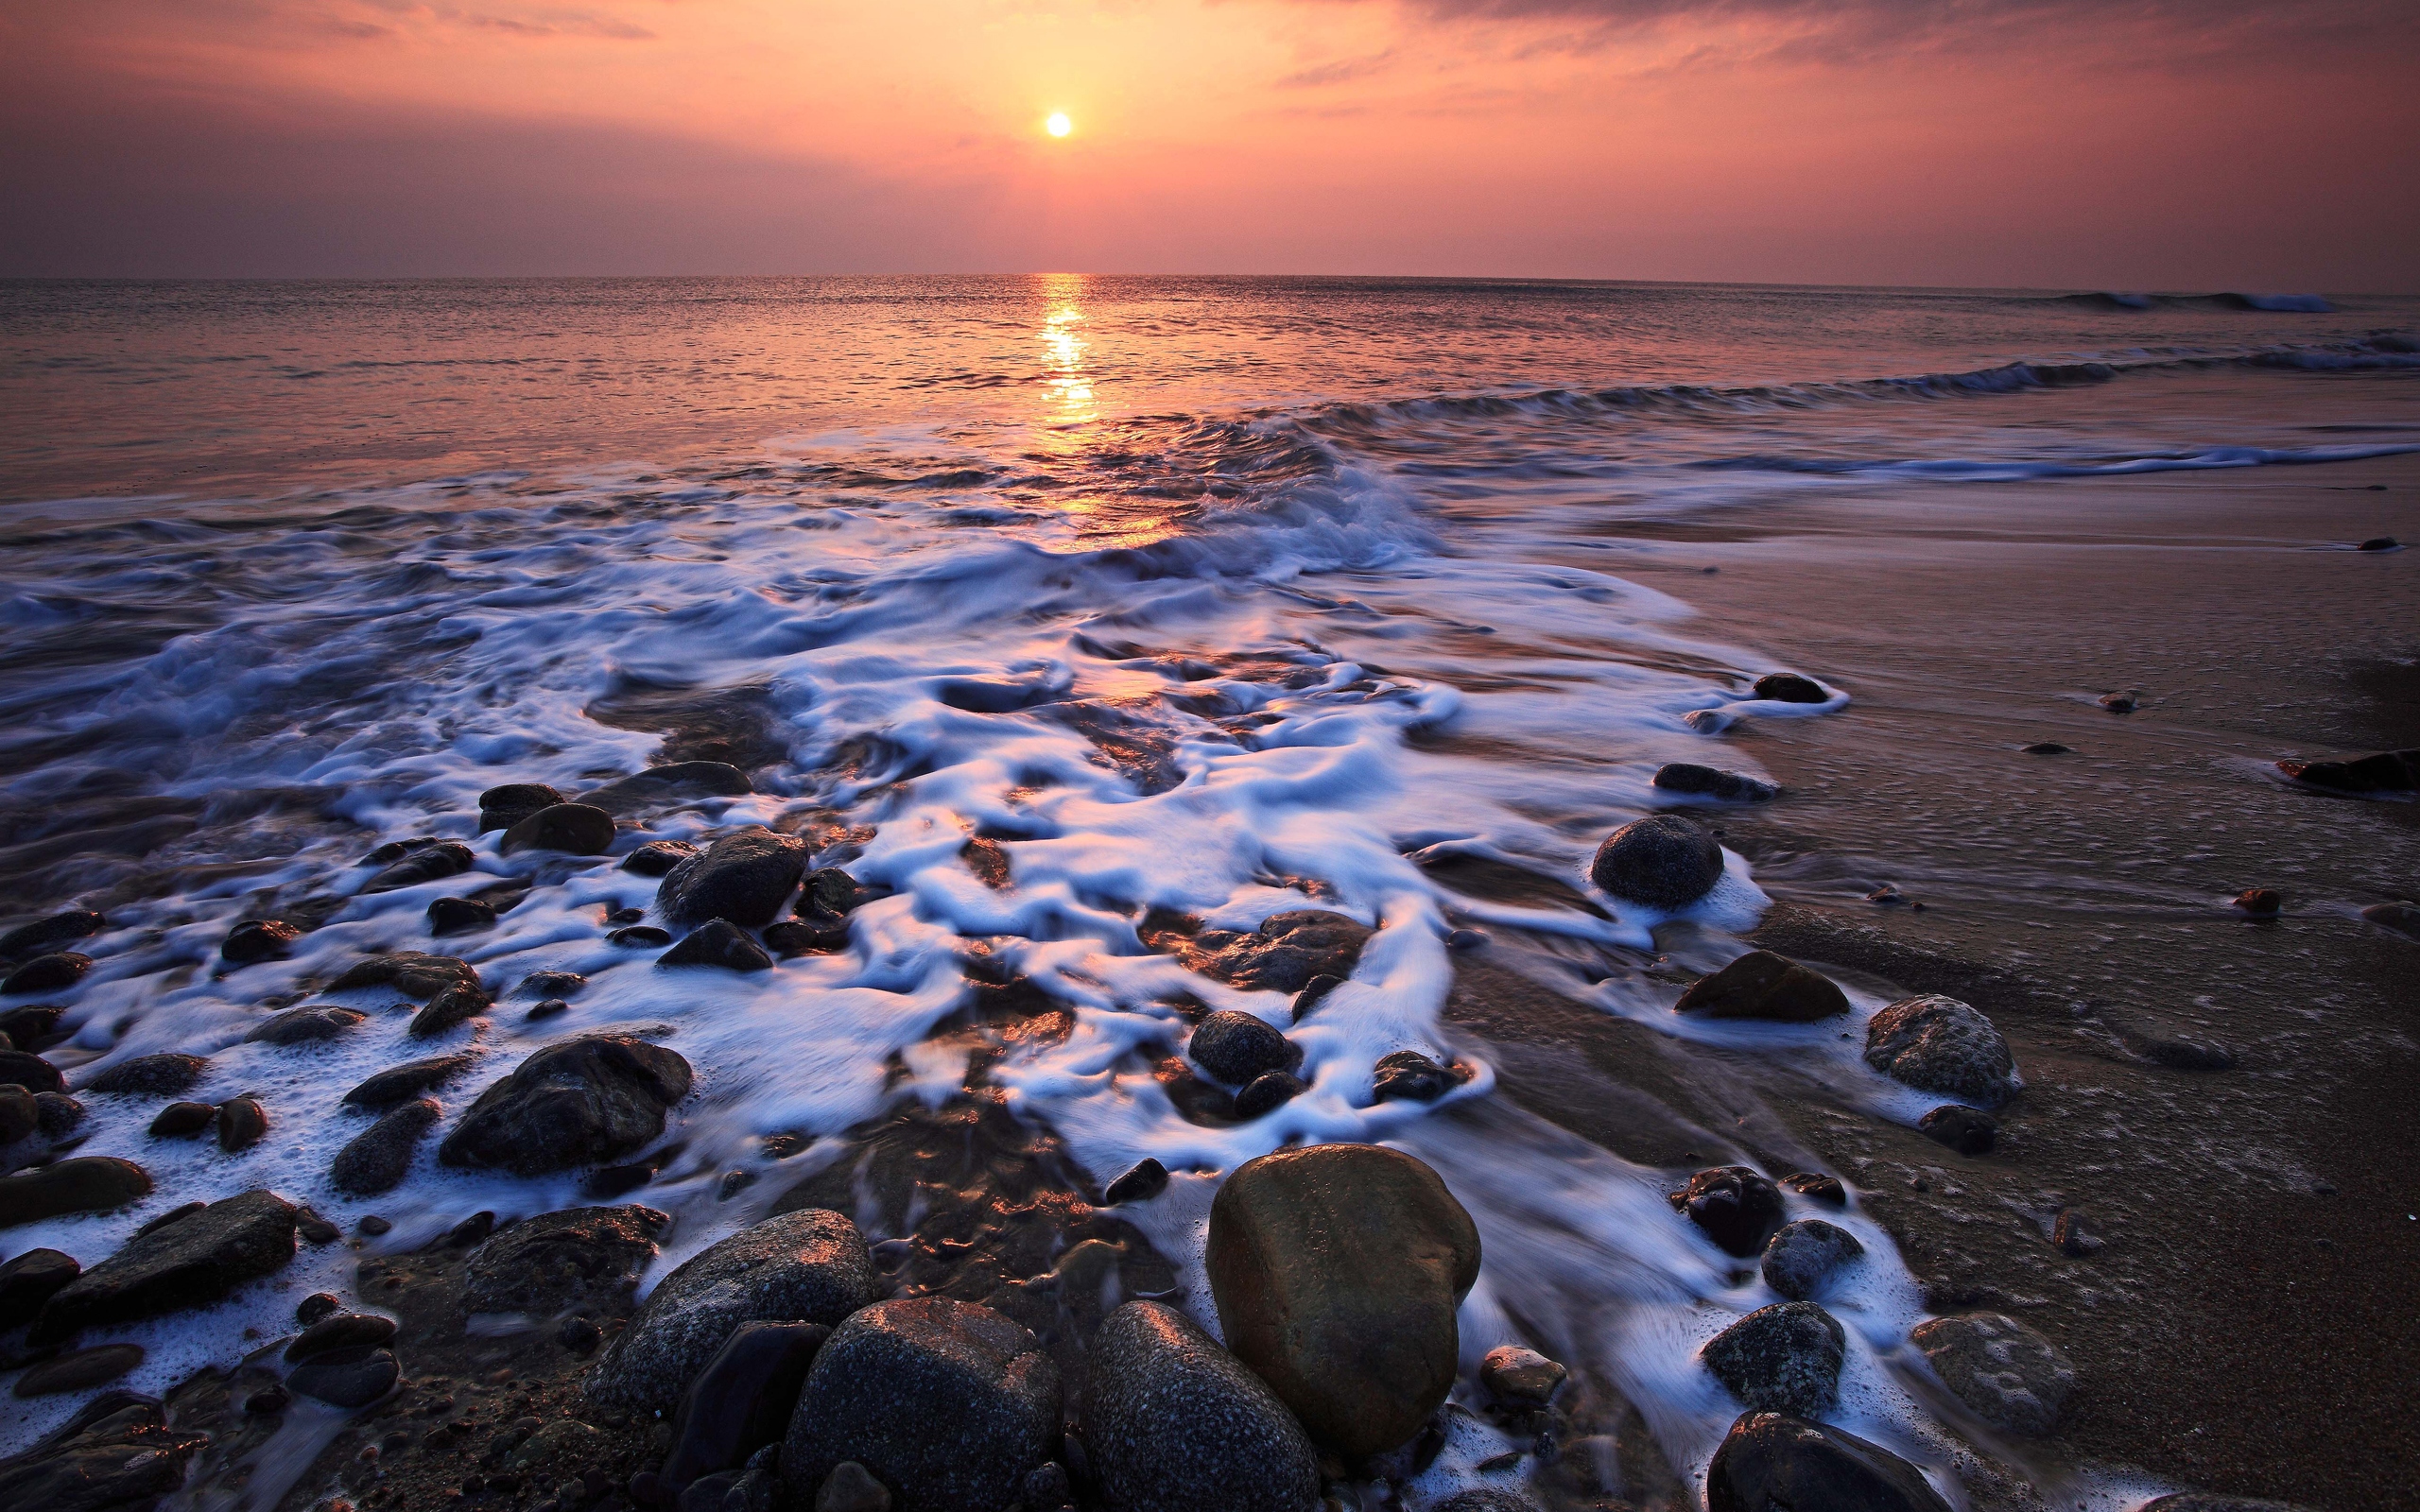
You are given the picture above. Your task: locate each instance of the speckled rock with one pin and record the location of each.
(376, 1160)
(197, 1260)
(302, 1026)
(160, 1076)
(1801, 1258)
(1237, 1047)
(1174, 1424)
(583, 1101)
(414, 973)
(742, 878)
(1663, 861)
(719, 943)
(1939, 1044)
(1783, 1358)
(2006, 1373)
(423, 864)
(557, 1261)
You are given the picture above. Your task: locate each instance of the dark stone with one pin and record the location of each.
(189, 1263)
(893, 1371)
(1735, 1207)
(86, 1184)
(2259, 903)
(2006, 1373)
(2120, 703)
(641, 937)
(2378, 543)
(116, 1455)
(1961, 1128)
(806, 936)
(1939, 1044)
(471, 1231)
(1782, 1358)
(1801, 1258)
(314, 1229)
(342, 1331)
(587, 1100)
(579, 1257)
(346, 1378)
(302, 1026)
(2173, 1045)
(44, 936)
(1235, 1047)
(175, 1214)
(1288, 951)
(2046, 747)
(2071, 1234)
(20, 1116)
(1337, 1270)
(1788, 687)
(160, 1076)
(47, 973)
(807, 1266)
(1145, 1181)
(267, 1401)
(1046, 1487)
(1663, 861)
(552, 985)
(742, 1400)
(658, 857)
(377, 1159)
(573, 828)
(315, 1307)
(459, 916)
(34, 1026)
(501, 808)
(1708, 781)
(55, 1114)
(1313, 991)
(1773, 1462)
(2388, 771)
(374, 1225)
(430, 863)
(242, 1123)
(1174, 1424)
(1761, 985)
(402, 1083)
(2202, 1502)
(742, 878)
(80, 1371)
(1522, 1376)
(181, 1121)
(832, 893)
(1409, 1076)
(414, 973)
(678, 783)
(1267, 1093)
(1487, 1499)
(258, 939)
(28, 1280)
(579, 1335)
(30, 1072)
(719, 943)
(456, 1005)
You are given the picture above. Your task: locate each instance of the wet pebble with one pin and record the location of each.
(598, 1098)
(20, 1116)
(1939, 1044)
(1147, 1179)
(1761, 985)
(159, 1075)
(242, 1123)
(2047, 748)
(1174, 1424)
(657, 858)
(1801, 1258)
(1516, 1374)
(340, 1330)
(302, 1026)
(44, 935)
(741, 879)
(502, 807)
(1267, 1093)
(315, 1307)
(546, 1009)
(2259, 903)
(29, 1072)
(1236, 1048)
(27, 1280)
(1782, 1358)
(573, 828)
(1771, 1460)
(376, 1160)
(84, 1183)
(1410, 1077)
(47, 973)
(80, 1370)
(1817, 1186)
(1788, 687)
(1734, 1206)
(456, 1005)
(181, 1121)
(423, 864)
(1663, 861)
(254, 940)
(400, 1083)
(459, 916)
(350, 1378)
(721, 944)
(1961, 1128)
(640, 937)
(1710, 781)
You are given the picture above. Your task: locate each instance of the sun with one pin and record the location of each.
(1058, 125)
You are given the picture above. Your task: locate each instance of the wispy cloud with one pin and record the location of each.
(1342, 69)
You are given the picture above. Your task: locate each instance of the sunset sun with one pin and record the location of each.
(1058, 125)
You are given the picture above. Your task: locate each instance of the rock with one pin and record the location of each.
(2046, 747)
(658, 857)
(80, 1370)
(1939, 1044)
(1782, 1358)
(116, 1455)
(583, 1102)
(1788, 687)
(1801, 1258)
(1410, 1077)
(1735, 1207)
(159, 1075)
(47, 973)
(55, 1114)
(471, 1231)
(1663, 861)
(1961, 1128)
(377, 1159)
(1487, 1499)
(1236, 1047)
(242, 1122)
(399, 1083)
(2378, 543)
(2006, 1374)
(2164, 1042)
(181, 1121)
(2400, 916)
(459, 916)
(1816, 1187)
(29, 1072)
(719, 943)
(1773, 1462)
(1147, 1179)
(413, 974)
(1288, 952)
(1174, 1424)
(2120, 703)
(573, 828)
(1761, 985)
(33, 1026)
(1267, 1093)
(1518, 1374)
(742, 1400)
(641, 937)
(2388, 771)
(806, 936)
(346, 1378)
(20, 1116)
(2202, 1502)
(254, 940)
(2259, 903)
(175, 1214)
(741, 879)
(316, 1306)
(539, 1012)
(677, 782)
(340, 1330)
(1337, 1270)
(188, 1263)
(85, 1183)
(28, 1280)
(830, 892)
(552, 985)
(557, 1261)
(893, 1371)
(2071, 1234)
(425, 863)
(302, 1026)
(1708, 781)
(455, 1007)
(807, 1266)
(44, 935)
(501, 808)
(851, 1488)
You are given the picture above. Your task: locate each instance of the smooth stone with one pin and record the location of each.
(426, 864)
(1143, 1181)
(2259, 903)
(80, 1371)
(188, 1263)
(543, 1010)
(55, 1114)
(675, 783)
(1267, 1093)
(895, 1369)
(2120, 703)
(1337, 1270)
(340, 1330)
(557, 1261)
(2006, 1373)
(181, 1121)
(160, 1076)
(459, 916)
(302, 1026)
(1783, 1358)
(116, 1455)
(658, 857)
(1236, 1047)
(350, 1379)
(1734, 1206)
(719, 943)
(1961, 1128)
(2046, 747)
(583, 1102)
(402, 1083)
(1939, 1044)
(83, 1183)
(743, 1399)
(2204, 1501)
(44, 935)
(1710, 781)
(1761, 985)
(30, 1072)
(33, 1025)
(455, 1007)
(316, 1306)
(1663, 861)
(741, 879)
(1409, 1076)
(175, 1214)
(2176, 1046)
(850, 1488)
(1517, 1374)
(254, 940)
(1801, 1258)
(2378, 543)
(20, 1116)
(414, 973)
(573, 828)
(807, 1266)
(1775, 1462)
(641, 937)
(47, 973)
(28, 1280)
(2388, 771)
(1788, 687)
(378, 1158)
(1291, 950)
(242, 1123)
(552, 985)
(1174, 1424)
(502, 807)
(806, 936)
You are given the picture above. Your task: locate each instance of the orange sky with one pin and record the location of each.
(2169, 143)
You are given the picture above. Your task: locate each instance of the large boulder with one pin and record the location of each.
(1773, 1462)
(743, 878)
(1782, 1358)
(808, 1266)
(1939, 1044)
(585, 1102)
(557, 1261)
(743, 1399)
(1761, 985)
(379, 1158)
(1337, 1270)
(195, 1260)
(86, 1184)
(1174, 1424)
(116, 1455)
(1236, 1047)
(948, 1404)
(1734, 1205)
(1663, 861)
(574, 829)
(2006, 1373)
(1287, 953)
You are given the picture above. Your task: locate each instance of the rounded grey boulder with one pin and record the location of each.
(1783, 1358)
(1174, 1424)
(1236, 1047)
(743, 878)
(1774, 1462)
(1663, 861)
(1802, 1256)
(1939, 1044)
(583, 1101)
(2006, 1374)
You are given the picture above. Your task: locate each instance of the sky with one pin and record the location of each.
(2174, 145)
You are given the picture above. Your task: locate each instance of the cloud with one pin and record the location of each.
(1342, 69)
